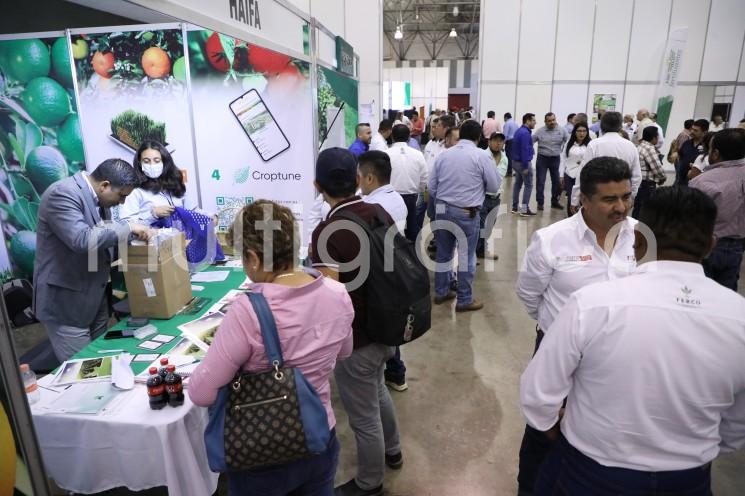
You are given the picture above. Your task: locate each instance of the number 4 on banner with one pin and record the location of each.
(216, 174)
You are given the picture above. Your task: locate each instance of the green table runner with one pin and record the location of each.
(212, 290)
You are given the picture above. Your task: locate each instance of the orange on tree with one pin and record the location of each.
(103, 63)
(156, 63)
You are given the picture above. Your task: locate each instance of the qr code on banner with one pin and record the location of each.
(227, 208)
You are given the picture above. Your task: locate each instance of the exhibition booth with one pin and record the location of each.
(243, 95)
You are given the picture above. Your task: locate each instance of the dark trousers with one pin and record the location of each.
(569, 472)
(544, 166)
(723, 265)
(646, 191)
(395, 370)
(681, 174)
(508, 151)
(534, 447)
(568, 185)
(312, 476)
(490, 203)
(412, 229)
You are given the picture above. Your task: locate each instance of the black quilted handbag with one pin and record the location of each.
(269, 418)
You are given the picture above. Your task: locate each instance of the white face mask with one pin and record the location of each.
(153, 171)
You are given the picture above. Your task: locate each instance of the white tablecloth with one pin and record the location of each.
(127, 445)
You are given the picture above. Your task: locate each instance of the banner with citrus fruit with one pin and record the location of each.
(338, 113)
(268, 154)
(40, 138)
(132, 87)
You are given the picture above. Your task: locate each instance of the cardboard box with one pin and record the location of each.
(157, 277)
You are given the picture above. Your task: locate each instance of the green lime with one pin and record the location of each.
(61, 62)
(70, 139)
(148, 36)
(46, 101)
(27, 59)
(45, 165)
(179, 69)
(23, 251)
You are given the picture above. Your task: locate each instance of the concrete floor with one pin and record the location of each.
(460, 420)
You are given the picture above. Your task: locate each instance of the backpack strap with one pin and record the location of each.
(268, 328)
(380, 214)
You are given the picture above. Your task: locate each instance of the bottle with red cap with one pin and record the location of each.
(156, 390)
(163, 366)
(174, 386)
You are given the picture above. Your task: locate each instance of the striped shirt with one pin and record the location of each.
(650, 163)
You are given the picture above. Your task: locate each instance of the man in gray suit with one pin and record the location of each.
(74, 248)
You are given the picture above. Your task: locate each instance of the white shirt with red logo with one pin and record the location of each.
(565, 257)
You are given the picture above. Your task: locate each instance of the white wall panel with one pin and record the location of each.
(611, 40)
(639, 96)
(498, 97)
(648, 38)
(534, 98)
(363, 27)
(724, 40)
(574, 39)
(500, 21)
(331, 14)
(537, 32)
(568, 99)
(605, 89)
(738, 107)
(741, 76)
(691, 14)
(704, 102)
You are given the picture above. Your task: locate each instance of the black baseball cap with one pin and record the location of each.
(334, 166)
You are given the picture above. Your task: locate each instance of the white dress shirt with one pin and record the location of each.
(612, 145)
(378, 142)
(433, 150)
(318, 212)
(408, 169)
(391, 201)
(565, 257)
(715, 129)
(660, 136)
(570, 165)
(653, 368)
(138, 207)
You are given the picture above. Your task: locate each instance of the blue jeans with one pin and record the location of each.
(309, 477)
(550, 165)
(490, 203)
(723, 265)
(464, 226)
(519, 180)
(421, 210)
(395, 369)
(567, 471)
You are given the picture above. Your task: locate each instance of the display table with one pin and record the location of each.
(128, 444)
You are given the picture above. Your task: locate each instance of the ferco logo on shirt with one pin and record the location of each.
(577, 258)
(687, 298)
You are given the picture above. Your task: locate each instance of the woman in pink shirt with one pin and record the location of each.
(314, 321)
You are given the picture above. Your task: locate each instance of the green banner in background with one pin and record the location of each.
(338, 109)
(40, 139)
(671, 61)
(344, 56)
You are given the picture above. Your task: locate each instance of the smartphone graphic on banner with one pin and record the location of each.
(259, 125)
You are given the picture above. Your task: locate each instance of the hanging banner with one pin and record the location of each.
(338, 109)
(252, 109)
(40, 139)
(671, 61)
(344, 56)
(605, 102)
(132, 88)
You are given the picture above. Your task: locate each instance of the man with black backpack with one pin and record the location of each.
(344, 247)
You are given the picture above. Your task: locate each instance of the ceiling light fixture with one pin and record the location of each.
(453, 34)
(398, 34)
(455, 11)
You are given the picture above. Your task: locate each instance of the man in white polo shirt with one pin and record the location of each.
(408, 175)
(595, 245)
(651, 365)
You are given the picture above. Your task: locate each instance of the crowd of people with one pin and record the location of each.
(637, 381)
